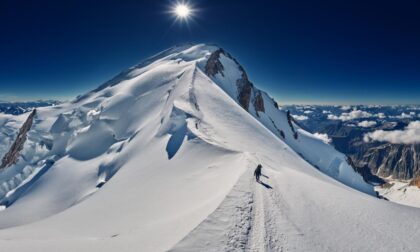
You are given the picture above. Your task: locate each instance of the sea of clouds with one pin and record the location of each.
(409, 135)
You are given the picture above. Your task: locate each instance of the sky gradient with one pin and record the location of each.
(328, 52)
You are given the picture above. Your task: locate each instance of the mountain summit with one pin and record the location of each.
(161, 158)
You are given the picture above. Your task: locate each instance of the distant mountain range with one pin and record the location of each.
(17, 108)
(349, 129)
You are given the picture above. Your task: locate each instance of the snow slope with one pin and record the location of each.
(401, 192)
(311, 148)
(161, 158)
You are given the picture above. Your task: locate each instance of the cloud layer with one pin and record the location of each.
(410, 135)
(300, 117)
(323, 137)
(366, 124)
(355, 114)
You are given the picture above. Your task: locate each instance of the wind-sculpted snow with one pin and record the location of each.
(96, 133)
(164, 149)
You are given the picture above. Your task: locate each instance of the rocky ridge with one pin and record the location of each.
(13, 154)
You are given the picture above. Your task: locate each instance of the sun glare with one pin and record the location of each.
(182, 10)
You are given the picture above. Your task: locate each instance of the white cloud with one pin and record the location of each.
(374, 106)
(345, 107)
(366, 124)
(308, 112)
(329, 112)
(355, 114)
(332, 117)
(404, 116)
(323, 137)
(380, 115)
(410, 135)
(300, 117)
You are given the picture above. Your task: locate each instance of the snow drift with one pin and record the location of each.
(141, 161)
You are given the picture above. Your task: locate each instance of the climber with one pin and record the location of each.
(257, 172)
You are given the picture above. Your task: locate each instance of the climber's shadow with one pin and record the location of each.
(265, 185)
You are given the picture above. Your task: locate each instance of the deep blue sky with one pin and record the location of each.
(299, 51)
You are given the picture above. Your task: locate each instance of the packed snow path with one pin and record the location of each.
(260, 217)
(272, 230)
(276, 215)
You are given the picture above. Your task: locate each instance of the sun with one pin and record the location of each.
(182, 10)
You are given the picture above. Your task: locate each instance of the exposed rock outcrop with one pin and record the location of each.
(245, 89)
(400, 161)
(276, 105)
(396, 160)
(290, 120)
(244, 86)
(365, 173)
(259, 102)
(415, 182)
(214, 66)
(13, 154)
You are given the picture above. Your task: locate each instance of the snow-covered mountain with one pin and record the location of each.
(161, 158)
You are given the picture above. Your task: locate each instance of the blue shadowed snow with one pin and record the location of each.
(176, 141)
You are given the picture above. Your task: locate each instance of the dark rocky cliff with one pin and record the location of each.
(400, 161)
(370, 159)
(259, 102)
(13, 154)
(397, 160)
(214, 66)
(245, 87)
